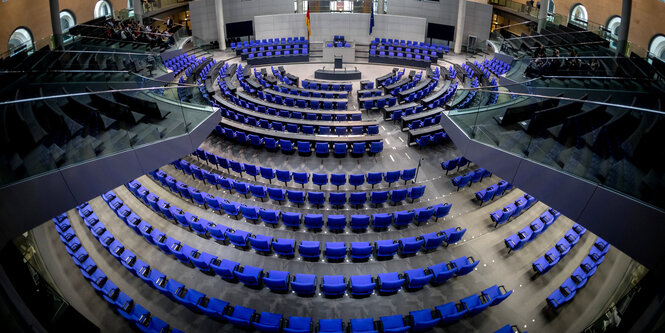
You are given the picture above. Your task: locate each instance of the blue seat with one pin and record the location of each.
(249, 275)
(363, 325)
(381, 220)
(386, 249)
(304, 284)
(410, 245)
(408, 174)
(239, 316)
(442, 272)
(238, 237)
(394, 323)
(563, 294)
(464, 265)
(451, 312)
(374, 178)
(359, 222)
(298, 325)
(461, 181)
(267, 173)
(270, 143)
(225, 268)
(358, 148)
(304, 148)
(337, 199)
(362, 285)
(544, 263)
(316, 198)
(268, 322)
(376, 147)
(356, 180)
(283, 176)
(378, 197)
(338, 179)
(309, 249)
(336, 223)
(291, 219)
(357, 198)
(432, 240)
(403, 218)
(453, 235)
(391, 177)
(276, 194)
(335, 250)
(415, 192)
(424, 320)
(257, 191)
(301, 178)
(320, 179)
(296, 197)
(251, 170)
(331, 326)
(277, 281)
(361, 250)
(322, 148)
(486, 194)
(397, 196)
(284, 247)
(260, 243)
(496, 294)
(269, 216)
(250, 213)
(212, 307)
(475, 304)
(314, 221)
(333, 285)
(286, 145)
(390, 282)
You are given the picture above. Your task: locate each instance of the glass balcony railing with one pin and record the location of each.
(610, 138)
(155, 5)
(70, 119)
(522, 8)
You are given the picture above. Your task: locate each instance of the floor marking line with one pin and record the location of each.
(391, 157)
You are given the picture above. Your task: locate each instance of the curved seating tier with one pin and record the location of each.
(320, 179)
(543, 264)
(494, 190)
(244, 317)
(516, 241)
(578, 279)
(474, 176)
(312, 222)
(512, 210)
(119, 301)
(279, 281)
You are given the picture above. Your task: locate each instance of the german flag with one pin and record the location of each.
(309, 28)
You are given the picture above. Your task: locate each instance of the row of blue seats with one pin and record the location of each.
(379, 103)
(358, 223)
(274, 111)
(512, 210)
(400, 55)
(428, 139)
(179, 63)
(270, 41)
(302, 178)
(471, 94)
(441, 101)
(302, 103)
(338, 44)
(407, 43)
(119, 301)
(454, 163)
(270, 48)
(402, 49)
(493, 191)
(325, 86)
(303, 147)
(516, 241)
(578, 279)
(296, 91)
(297, 128)
(269, 322)
(497, 66)
(543, 264)
(426, 122)
(278, 281)
(391, 79)
(470, 177)
(270, 54)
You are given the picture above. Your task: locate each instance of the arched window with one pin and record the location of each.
(20, 40)
(579, 16)
(550, 9)
(103, 9)
(613, 24)
(67, 20)
(657, 46)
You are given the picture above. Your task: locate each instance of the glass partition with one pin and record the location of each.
(66, 122)
(608, 138)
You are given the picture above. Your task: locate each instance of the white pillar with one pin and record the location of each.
(380, 9)
(221, 35)
(138, 10)
(542, 14)
(459, 29)
(299, 6)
